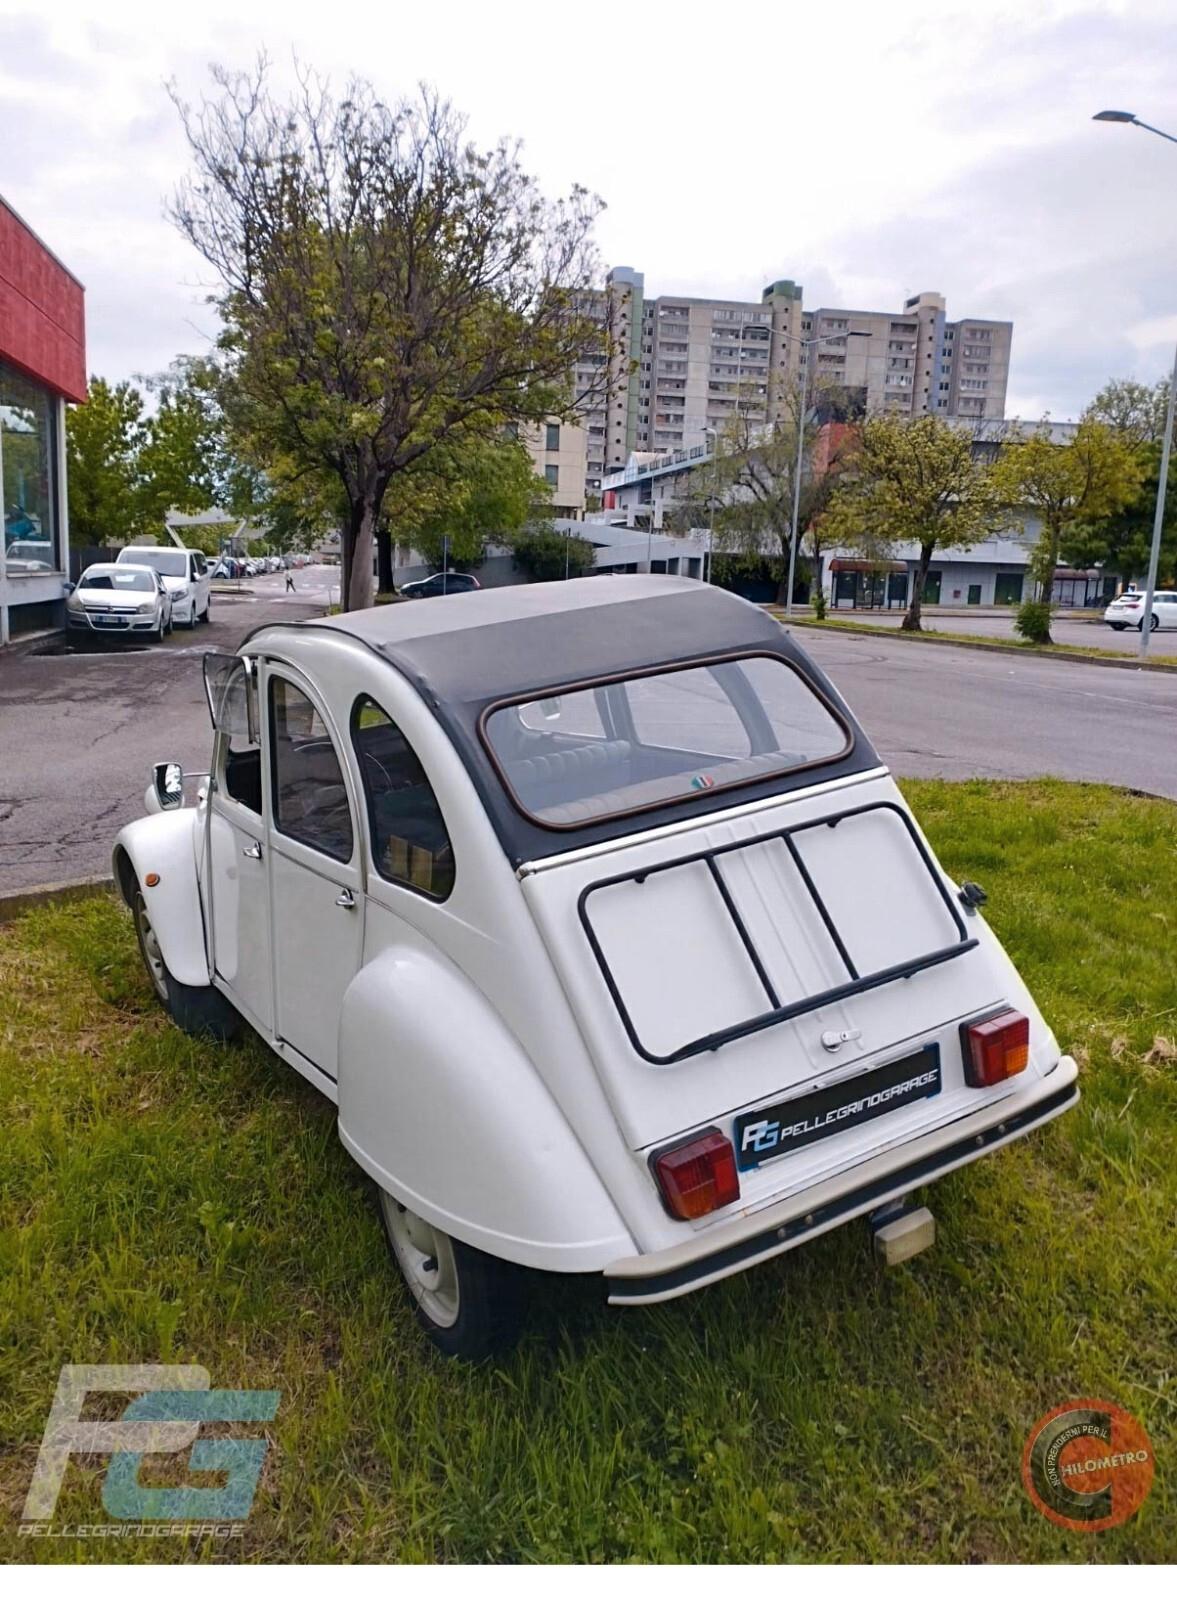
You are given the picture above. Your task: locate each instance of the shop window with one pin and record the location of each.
(28, 452)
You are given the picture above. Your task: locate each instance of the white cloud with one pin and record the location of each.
(867, 153)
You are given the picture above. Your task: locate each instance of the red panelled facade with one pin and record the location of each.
(42, 311)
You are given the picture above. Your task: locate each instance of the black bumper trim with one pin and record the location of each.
(621, 1290)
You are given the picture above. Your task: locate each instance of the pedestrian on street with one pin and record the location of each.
(289, 581)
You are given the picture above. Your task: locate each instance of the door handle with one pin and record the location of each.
(253, 851)
(347, 900)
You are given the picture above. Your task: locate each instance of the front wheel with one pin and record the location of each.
(469, 1303)
(202, 1012)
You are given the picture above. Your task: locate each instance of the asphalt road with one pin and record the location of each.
(1082, 632)
(79, 732)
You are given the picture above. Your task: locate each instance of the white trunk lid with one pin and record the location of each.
(669, 948)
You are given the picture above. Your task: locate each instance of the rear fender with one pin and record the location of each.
(443, 1108)
(164, 845)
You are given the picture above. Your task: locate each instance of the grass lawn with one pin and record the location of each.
(163, 1200)
(1063, 651)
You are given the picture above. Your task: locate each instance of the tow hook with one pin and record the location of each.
(901, 1230)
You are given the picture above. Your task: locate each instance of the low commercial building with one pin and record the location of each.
(42, 366)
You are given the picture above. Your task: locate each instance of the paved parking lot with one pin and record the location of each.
(1083, 632)
(81, 726)
(80, 730)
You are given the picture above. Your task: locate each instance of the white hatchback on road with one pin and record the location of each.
(185, 574)
(1127, 610)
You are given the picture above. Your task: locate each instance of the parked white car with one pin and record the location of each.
(1127, 610)
(594, 911)
(185, 574)
(119, 599)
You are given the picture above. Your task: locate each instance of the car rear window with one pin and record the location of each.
(578, 755)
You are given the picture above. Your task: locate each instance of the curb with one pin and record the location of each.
(28, 643)
(15, 902)
(1128, 664)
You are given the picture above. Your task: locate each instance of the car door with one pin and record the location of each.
(316, 879)
(199, 579)
(238, 904)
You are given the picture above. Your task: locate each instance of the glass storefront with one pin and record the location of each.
(28, 464)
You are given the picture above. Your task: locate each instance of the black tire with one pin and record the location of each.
(202, 1012)
(203, 617)
(1117, 627)
(191, 623)
(486, 1313)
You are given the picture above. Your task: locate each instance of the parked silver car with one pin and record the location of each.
(122, 599)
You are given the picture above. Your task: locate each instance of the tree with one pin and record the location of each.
(746, 494)
(387, 289)
(103, 441)
(1135, 411)
(1067, 487)
(912, 480)
(459, 496)
(547, 555)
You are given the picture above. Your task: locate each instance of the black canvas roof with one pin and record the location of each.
(464, 652)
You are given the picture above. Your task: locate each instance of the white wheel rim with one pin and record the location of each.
(425, 1256)
(149, 944)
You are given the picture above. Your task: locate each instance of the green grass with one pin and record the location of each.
(1093, 652)
(162, 1200)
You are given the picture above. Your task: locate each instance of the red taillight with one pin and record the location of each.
(995, 1049)
(698, 1176)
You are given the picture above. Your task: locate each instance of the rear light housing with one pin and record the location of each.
(697, 1176)
(995, 1048)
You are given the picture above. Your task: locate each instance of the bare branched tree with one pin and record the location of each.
(385, 287)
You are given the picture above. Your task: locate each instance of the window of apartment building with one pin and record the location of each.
(833, 324)
(984, 334)
(552, 475)
(552, 436)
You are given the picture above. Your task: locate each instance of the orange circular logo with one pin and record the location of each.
(1088, 1465)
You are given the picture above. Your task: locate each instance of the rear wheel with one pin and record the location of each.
(1153, 625)
(469, 1303)
(202, 1012)
(1117, 627)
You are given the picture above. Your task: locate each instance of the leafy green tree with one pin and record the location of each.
(387, 289)
(1068, 487)
(1135, 411)
(745, 496)
(460, 496)
(912, 480)
(547, 555)
(103, 440)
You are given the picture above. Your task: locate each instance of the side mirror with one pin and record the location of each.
(69, 588)
(167, 784)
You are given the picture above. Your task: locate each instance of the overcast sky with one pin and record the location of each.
(866, 150)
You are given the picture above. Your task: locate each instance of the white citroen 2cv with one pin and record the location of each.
(595, 912)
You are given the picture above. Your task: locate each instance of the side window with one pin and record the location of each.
(410, 845)
(310, 796)
(198, 563)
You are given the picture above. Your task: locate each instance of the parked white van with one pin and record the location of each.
(185, 574)
(594, 911)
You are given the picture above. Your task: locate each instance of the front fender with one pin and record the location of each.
(165, 845)
(440, 1105)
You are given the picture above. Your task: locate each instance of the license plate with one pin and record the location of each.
(789, 1124)
(110, 622)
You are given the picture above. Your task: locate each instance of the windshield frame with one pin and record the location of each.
(531, 696)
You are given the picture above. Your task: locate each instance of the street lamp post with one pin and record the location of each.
(806, 344)
(711, 502)
(1158, 520)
